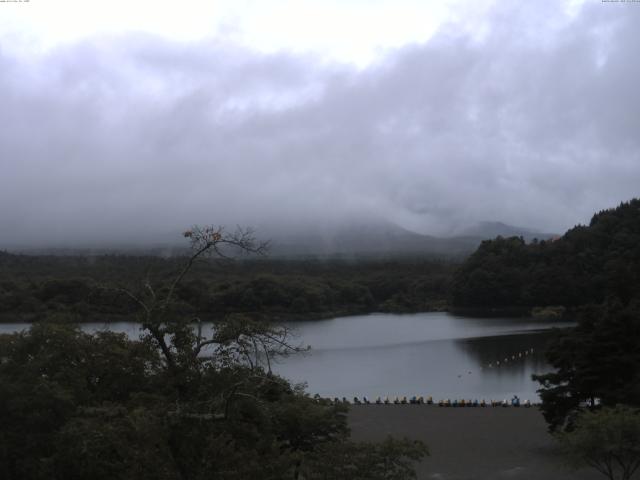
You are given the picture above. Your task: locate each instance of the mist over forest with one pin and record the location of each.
(129, 137)
(319, 239)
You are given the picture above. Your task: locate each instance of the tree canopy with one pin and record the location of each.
(178, 403)
(593, 271)
(585, 266)
(33, 287)
(607, 440)
(597, 362)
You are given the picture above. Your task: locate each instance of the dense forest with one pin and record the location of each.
(178, 403)
(592, 271)
(75, 405)
(83, 288)
(506, 275)
(78, 406)
(587, 265)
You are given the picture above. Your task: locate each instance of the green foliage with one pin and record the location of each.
(599, 359)
(34, 287)
(388, 460)
(607, 440)
(75, 406)
(179, 403)
(592, 272)
(112, 442)
(587, 265)
(50, 372)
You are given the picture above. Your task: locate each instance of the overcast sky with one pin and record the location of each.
(125, 120)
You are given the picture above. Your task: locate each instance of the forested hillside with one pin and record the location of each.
(79, 288)
(586, 265)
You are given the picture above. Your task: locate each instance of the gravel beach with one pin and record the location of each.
(470, 443)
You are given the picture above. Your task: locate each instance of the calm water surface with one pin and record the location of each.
(435, 353)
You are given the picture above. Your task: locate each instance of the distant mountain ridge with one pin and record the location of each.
(386, 238)
(489, 230)
(359, 238)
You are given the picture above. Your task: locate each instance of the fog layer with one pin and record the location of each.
(534, 123)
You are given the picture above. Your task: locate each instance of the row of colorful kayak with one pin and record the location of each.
(514, 402)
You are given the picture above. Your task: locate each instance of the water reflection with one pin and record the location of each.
(508, 352)
(427, 354)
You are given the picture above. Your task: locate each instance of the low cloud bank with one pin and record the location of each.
(132, 138)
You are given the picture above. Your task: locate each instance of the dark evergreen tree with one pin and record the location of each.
(597, 363)
(584, 266)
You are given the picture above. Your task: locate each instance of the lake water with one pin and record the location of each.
(437, 354)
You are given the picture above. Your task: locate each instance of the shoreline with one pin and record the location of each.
(274, 317)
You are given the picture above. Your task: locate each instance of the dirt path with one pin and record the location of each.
(470, 443)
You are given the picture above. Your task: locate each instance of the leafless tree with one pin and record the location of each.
(236, 341)
(175, 337)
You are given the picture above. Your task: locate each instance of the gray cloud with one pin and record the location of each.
(133, 137)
